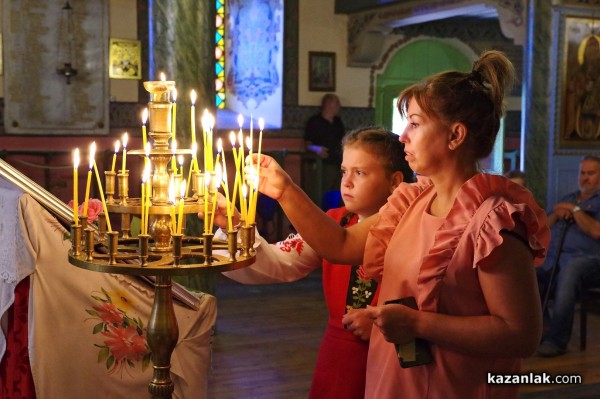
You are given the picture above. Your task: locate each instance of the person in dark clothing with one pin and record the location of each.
(323, 134)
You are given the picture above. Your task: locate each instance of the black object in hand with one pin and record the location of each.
(422, 351)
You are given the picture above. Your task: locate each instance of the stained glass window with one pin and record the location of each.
(220, 55)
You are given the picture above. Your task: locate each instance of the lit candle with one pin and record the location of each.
(173, 158)
(193, 115)
(211, 125)
(75, 189)
(226, 189)
(218, 177)
(174, 118)
(142, 204)
(261, 126)
(172, 201)
(114, 161)
(193, 166)
(91, 156)
(236, 163)
(242, 167)
(125, 139)
(206, 196)
(148, 194)
(244, 195)
(102, 198)
(249, 177)
(205, 140)
(181, 203)
(144, 120)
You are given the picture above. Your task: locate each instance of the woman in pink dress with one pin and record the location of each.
(462, 243)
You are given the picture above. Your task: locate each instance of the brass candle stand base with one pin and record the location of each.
(135, 256)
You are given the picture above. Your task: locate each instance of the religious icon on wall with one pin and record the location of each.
(321, 71)
(125, 59)
(580, 93)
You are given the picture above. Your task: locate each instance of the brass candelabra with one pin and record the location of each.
(163, 251)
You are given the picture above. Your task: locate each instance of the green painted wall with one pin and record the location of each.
(411, 63)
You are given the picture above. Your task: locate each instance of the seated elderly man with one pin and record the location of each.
(573, 261)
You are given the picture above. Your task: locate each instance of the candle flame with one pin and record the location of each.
(193, 96)
(232, 138)
(261, 123)
(75, 158)
(148, 148)
(241, 138)
(219, 145)
(117, 146)
(125, 139)
(204, 120)
(144, 116)
(182, 189)
(207, 179)
(248, 143)
(174, 94)
(240, 120)
(162, 77)
(180, 159)
(244, 190)
(92, 154)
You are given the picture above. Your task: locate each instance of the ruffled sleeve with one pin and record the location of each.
(485, 205)
(389, 217)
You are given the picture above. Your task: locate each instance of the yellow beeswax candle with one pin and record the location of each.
(174, 157)
(124, 139)
(91, 156)
(142, 205)
(75, 184)
(181, 203)
(193, 115)
(114, 160)
(102, 198)
(174, 115)
(144, 120)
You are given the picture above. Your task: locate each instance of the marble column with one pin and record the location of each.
(537, 94)
(182, 35)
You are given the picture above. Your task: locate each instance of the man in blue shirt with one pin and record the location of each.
(574, 253)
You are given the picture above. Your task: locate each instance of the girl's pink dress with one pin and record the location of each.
(435, 259)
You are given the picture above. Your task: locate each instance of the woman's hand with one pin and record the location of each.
(396, 322)
(273, 179)
(359, 322)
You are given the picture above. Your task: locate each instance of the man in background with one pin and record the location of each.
(573, 261)
(323, 134)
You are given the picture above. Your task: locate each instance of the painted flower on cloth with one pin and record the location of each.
(94, 208)
(124, 341)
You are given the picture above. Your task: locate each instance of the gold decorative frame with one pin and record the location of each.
(577, 120)
(125, 59)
